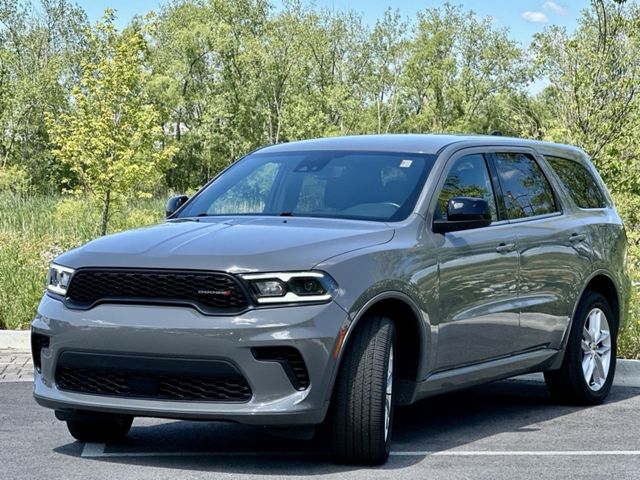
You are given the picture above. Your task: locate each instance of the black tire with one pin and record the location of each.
(356, 420)
(102, 428)
(568, 384)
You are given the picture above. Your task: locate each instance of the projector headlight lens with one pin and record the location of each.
(290, 287)
(58, 279)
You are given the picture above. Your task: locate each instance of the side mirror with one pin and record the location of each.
(174, 203)
(464, 213)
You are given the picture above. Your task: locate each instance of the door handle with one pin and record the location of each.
(505, 247)
(577, 237)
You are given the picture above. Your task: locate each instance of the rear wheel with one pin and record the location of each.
(589, 364)
(99, 428)
(361, 415)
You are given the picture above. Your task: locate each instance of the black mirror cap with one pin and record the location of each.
(467, 208)
(174, 204)
(464, 213)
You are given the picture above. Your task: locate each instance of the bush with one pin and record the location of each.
(628, 207)
(33, 231)
(14, 179)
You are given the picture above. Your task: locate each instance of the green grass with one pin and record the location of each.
(34, 230)
(629, 341)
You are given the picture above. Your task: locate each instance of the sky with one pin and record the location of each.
(523, 18)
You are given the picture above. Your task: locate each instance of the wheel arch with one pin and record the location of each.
(411, 333)
(604, 284)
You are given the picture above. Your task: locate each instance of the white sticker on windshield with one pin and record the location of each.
(406, 163)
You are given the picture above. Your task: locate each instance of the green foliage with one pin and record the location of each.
(457, 65)
(594, 96)
(35, 229)
(39, 49)
(629, 208)
(109, 140)
(14, 178)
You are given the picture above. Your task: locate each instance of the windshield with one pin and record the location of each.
(336, 184)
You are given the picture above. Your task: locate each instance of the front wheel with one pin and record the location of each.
(589, 364)
(101, 428)
(361, 414)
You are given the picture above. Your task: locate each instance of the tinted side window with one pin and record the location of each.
(468, 177)
(526, 191)
(579, 182)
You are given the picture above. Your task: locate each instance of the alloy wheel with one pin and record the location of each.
(596, 349)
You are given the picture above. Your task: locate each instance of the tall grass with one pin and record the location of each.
(34, 230)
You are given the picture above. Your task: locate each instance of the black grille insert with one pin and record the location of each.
(150, 377)
(209, 291)
(291, 361)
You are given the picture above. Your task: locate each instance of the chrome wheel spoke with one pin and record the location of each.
(599, 375)
(594, 324)
(586, 360)
(596, 349)
(590, 367)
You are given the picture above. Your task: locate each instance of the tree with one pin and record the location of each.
(205, 61)
(383, 79)
(456, 67)
(110, 140)
(594, 91)
(39, 48)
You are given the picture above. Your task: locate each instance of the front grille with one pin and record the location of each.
(152, 378)
(162, 387)
(209, 291)
(291, 361)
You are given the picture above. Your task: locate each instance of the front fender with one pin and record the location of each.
(375, 275)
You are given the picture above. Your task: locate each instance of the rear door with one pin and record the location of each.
(552, 247)
(478, 273)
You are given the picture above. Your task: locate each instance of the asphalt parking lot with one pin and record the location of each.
(504, 430)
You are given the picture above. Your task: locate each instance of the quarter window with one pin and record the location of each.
(526, 190)
(579, 182)
(468, 177)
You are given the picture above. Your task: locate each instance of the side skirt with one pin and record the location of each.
(468, 376)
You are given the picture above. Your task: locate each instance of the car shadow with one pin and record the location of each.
(432, 425)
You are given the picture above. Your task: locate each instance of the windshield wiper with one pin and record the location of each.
(286, 214)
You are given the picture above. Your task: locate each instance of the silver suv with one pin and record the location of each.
(324, 282)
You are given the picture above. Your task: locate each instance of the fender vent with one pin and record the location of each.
(291, 361)
(38, 342)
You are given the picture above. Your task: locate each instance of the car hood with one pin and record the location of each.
(230, 244)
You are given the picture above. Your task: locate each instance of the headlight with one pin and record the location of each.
(58, 279)
(290, 287)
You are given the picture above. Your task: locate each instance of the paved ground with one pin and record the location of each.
(15, 366)
(505, 430)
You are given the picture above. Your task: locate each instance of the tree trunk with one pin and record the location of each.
(105, 212)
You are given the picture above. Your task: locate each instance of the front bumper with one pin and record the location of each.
(177, 332)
